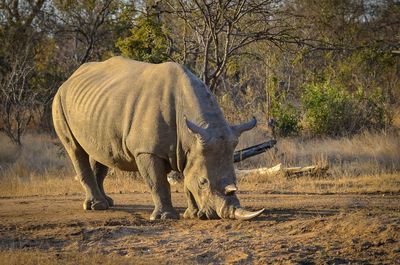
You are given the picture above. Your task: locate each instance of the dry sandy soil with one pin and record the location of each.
(295, 229)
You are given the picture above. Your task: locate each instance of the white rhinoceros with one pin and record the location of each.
(153, 119)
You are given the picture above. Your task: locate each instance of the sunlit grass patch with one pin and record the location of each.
(369, 163)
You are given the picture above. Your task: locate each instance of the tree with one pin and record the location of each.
(255, 55)
(82, 23)
(147, 41)
(19, 36)
(213, 32)
(18, 101)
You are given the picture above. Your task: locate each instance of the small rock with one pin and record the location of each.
(338, 260)
(390, 241)
(366, 245)
(228, 227)
(122, 252)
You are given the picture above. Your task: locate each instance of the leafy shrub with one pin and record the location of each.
(287, 119)
(331, 110)
(373, 111)
(147, 43)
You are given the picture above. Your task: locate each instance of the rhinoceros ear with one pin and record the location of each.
(199, 132)
(238, 129)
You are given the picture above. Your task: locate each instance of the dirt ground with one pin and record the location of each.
(295, 229)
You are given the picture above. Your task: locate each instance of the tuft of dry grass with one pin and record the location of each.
(40, 153)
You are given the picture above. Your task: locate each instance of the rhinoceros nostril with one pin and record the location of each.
(230, 189)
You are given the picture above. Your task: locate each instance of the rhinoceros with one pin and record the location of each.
(151, 118)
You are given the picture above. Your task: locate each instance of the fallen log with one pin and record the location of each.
(311, 171)
(288, 172)
(262, 171)
(243, 154)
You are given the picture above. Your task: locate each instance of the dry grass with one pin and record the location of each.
(29, 183)
(369, 162)
(364, 154)
(386, 183)
(40, 153)
(41, 167)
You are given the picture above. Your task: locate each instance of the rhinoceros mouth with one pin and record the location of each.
(208, 213)
(220, 206)
(229, 208)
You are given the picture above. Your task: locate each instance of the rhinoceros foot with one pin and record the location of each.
(163, 215)
(190, 213)
(110, 201)
(91, 204)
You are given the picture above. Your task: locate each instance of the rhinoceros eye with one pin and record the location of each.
(203, 183)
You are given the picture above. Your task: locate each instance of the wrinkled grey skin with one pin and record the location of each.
(153, 119)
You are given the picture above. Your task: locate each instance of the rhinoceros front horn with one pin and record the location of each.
(242, 214)
(238, 129)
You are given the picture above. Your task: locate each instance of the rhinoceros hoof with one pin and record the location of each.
(190, 213)
(110, 201)
(95, 205)
(158, 215)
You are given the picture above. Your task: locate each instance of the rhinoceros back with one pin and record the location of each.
(119, 108)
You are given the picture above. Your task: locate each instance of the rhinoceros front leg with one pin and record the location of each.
(100, 172)
(192, 209)
(154, 171)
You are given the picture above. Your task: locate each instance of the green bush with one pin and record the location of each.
(373, 110)
(331, 110)
(148, 42)
(287, 119)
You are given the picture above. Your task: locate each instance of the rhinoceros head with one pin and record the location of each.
(209, 172)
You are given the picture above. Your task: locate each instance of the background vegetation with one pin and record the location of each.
(317, 67)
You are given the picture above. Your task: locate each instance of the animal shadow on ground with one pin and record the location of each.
(284, 215)
(132, 208)
(140, 211)
(276, 215)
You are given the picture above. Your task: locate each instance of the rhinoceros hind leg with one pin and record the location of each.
(94, 198)
(154, 171)
(100, 171)
(79, 158)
